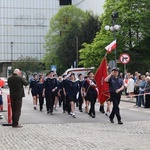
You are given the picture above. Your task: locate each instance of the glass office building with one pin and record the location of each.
(23, 25)
(24, 22)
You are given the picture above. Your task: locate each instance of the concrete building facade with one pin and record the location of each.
(24, 23)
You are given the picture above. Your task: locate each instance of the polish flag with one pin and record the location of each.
(111, 46)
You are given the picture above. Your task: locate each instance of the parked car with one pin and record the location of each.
(5, 80)
(77, 71)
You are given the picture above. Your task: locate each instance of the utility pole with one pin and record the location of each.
(77, 49)
(11, 44)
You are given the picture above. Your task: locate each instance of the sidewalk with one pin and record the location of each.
(125, 99)
(77, 136)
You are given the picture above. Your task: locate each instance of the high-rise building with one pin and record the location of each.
(24, 23)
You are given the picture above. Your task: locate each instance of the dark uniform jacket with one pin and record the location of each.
(15, 83)
(114, 84)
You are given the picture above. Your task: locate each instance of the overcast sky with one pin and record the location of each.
(95, 5)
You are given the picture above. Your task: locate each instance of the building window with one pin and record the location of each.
(65, 2)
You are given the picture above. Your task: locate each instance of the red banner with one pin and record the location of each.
(103, 87)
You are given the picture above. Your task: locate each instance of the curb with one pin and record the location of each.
(130, 101)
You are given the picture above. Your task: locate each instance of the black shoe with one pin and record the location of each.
(102, 111)
(89, 114)
(80, 110)
(51, 113)
(73, 116)
(93, 116)
(120, 122)
(47, 112)
(17, 126)
(111, 120)
(34, 108)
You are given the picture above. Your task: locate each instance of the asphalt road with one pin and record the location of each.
(31, 116)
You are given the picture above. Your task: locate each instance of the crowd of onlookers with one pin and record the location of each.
(138, 86)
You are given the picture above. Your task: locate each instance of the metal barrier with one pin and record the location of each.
(9, 109)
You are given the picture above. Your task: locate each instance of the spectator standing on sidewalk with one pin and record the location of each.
(1, 102)
(136, 88)
(1, 99)
(147, 92)
(130, 86)
(141, 86)
(16, 83)
(115, 88)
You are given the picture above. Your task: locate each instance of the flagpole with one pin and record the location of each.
(106, 54)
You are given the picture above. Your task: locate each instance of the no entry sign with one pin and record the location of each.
(124, 58)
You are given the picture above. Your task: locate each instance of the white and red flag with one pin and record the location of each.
(111, 46)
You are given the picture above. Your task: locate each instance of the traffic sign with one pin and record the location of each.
(112, 64)
(124, 58)
(53, 68)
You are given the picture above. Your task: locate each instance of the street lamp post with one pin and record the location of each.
(11, 44)
(114, 27)
(77, 49)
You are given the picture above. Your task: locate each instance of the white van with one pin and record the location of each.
(77, 71)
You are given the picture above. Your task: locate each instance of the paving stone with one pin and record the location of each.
(77, 136)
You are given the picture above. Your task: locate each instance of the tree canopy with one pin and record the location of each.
(69, 28)
(28, 65)
(131, 38)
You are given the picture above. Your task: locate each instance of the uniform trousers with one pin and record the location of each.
(92, 99)
(80, 99)
(64, 102)
(50, 98)
(41, 101)
(115, 98)
(68, 106)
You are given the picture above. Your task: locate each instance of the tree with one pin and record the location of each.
(134, 20)
(28, 65)
(68, 28)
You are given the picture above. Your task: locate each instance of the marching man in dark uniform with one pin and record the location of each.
(50, 87)
(115, 88)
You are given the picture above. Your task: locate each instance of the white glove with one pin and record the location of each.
(84, 94)
(92, 83)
